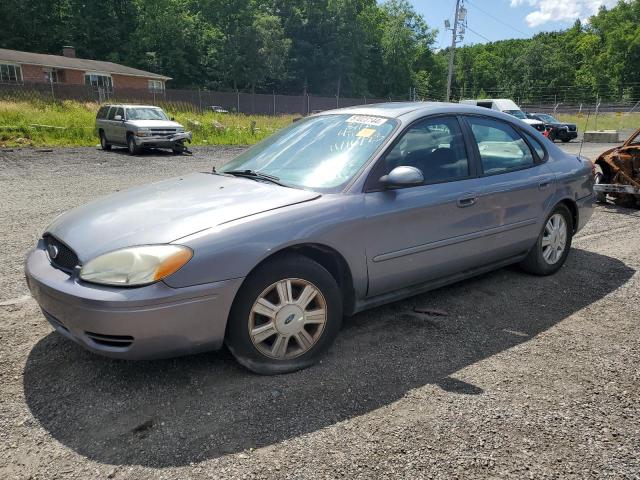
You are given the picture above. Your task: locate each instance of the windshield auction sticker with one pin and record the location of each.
(366, 132)
(366, 120)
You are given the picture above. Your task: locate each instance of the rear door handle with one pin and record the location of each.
(467, 201)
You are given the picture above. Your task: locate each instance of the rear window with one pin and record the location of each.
(501, 148)
(537, 146)
(102, 113)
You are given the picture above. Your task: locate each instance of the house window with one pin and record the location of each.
(52, 75)
(99, 80)
(156, 85)
(10, 73)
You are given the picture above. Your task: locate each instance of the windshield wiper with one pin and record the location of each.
(256, 175)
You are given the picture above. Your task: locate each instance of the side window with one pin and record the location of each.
(112, 113)
(436, 147)
(120, 111)
(501, 148)
(537, 146)
(102, 113)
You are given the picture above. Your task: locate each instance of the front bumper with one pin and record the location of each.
(163, 141)
(154, 321)
(566, 134)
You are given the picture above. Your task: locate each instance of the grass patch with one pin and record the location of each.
(604, 121)
(25, 123)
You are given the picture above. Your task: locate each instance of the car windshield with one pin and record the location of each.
(146, 113)
(516, 113)
(318, 153)
(547, 118)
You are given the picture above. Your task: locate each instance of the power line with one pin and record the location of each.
(478, 34)
(496, 19)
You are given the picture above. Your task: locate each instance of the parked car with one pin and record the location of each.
(218, 109)
(506, 105)
(565, 132)
(618, 172)
(337, 213)
(139, 126)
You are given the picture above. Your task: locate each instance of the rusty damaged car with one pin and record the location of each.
(618, 172)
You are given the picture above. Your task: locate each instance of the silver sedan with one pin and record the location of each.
(337, 213)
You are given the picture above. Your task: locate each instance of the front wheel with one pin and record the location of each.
(286, 315)
(131, 145)
(553, 244)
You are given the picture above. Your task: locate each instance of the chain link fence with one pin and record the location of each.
(186, 100)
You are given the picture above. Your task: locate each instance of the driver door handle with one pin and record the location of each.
(467, 200)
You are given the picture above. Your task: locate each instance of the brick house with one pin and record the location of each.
(18, 67)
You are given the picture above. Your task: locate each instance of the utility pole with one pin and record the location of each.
(460, 21)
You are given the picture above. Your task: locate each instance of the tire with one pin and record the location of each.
(103, 142)
(537, 262)
(601, 197)
(131, 145)
(565, 140)
(178, 150)
(281, 346)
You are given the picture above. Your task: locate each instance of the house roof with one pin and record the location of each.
(59, 61)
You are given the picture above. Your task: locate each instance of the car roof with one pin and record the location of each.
(124, 105)
(410, 110)
(390, 109)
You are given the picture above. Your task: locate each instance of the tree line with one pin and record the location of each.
(596, 61)
(330, 47)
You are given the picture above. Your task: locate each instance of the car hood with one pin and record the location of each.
(166, 211)
(531, 121)
(154, 123)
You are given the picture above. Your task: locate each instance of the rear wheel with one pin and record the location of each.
(553, 244)
(131, 145)
(286, 315)
(103, 142)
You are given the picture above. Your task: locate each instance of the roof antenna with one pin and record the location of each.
(585, 131)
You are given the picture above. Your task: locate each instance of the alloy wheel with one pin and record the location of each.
(554, 239)
(287, 319)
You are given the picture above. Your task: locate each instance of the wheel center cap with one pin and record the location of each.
(289, 319)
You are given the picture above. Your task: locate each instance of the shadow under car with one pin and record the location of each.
(177, 411)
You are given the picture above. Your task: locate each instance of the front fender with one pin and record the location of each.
(233, 249)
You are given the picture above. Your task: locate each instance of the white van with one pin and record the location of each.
(507, 106)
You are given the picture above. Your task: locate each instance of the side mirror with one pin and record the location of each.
(118, 118)
(402, 176)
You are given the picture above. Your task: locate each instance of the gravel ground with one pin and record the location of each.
(523, 377)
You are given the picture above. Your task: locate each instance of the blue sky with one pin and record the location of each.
(501, 19)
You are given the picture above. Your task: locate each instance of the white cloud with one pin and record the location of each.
(561, 10)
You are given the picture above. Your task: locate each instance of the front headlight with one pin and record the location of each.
(180, 130)
(143, 132)
(136, 266)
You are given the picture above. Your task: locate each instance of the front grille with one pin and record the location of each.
(117, 341)
(66, 259)
(163, 132)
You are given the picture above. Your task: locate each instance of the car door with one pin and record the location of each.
(119, 128)
(420, 233)
(515, 187)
